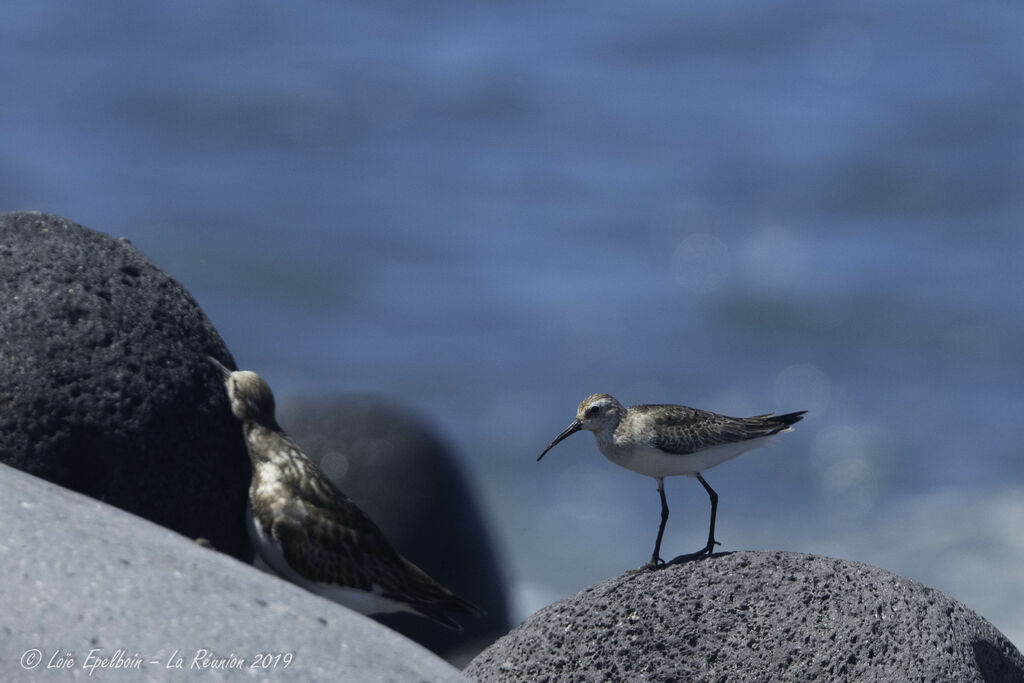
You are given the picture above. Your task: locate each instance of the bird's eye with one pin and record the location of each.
(593, 410)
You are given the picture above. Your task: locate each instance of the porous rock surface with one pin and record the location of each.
(82, 579)
(104, 384)
(754, 616)
(404, 475)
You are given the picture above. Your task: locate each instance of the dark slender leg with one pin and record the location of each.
(710, 547)
(714, 509)
(656, 555)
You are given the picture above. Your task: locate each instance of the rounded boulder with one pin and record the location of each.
(754, 616)
(104, 383)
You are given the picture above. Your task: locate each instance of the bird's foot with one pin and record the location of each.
(655, 563)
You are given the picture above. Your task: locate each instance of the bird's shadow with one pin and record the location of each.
(679, 561)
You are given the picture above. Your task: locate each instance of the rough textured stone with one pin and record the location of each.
(754, 617)
(104, 385)
(404, 476)
(79, 575)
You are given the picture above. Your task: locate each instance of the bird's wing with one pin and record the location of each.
(326, 537)
(683, 430)
(338, 545)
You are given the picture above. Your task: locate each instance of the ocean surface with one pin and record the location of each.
(488, 211)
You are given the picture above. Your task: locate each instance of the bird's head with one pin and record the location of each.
(595, 413)
(250, 396)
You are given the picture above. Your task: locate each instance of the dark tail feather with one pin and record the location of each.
(437, 611)
(765, 425)
(789, 418)
(439, 617)
(432, 600)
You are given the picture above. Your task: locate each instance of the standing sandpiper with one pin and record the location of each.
(666, 440)
(311, 534)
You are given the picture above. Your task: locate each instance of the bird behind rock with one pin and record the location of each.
(311, 534)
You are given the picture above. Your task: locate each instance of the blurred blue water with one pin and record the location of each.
(492, 211)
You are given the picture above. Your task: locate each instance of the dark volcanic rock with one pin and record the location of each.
(80, 576)
(754, 617)
(402, 474)
(104, 384)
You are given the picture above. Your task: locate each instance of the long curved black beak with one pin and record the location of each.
(220, 366)
(569, 431)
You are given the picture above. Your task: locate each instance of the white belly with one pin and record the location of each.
(656, 463)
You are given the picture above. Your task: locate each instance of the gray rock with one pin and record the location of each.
(751, 616)
(405, 477)
(81, 576)
(104, 385)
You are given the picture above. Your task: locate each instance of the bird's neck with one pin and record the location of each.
(606, 436)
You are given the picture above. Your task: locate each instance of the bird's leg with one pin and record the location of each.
(714, 508)
(656, 555)
(710, 547)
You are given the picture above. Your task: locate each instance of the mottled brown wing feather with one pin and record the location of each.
(325, 550)
(328, 539)
(683, 430)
